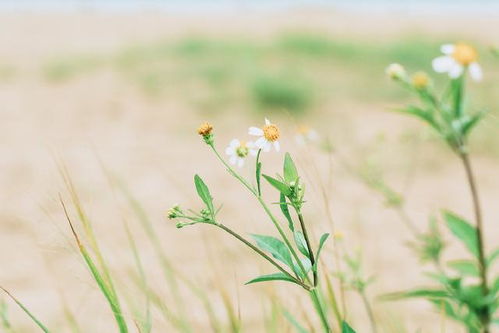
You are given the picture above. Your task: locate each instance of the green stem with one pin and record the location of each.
(369, 311)
(314, 295)
(261, 253)
(485, 317)
(309, 246)
(267, 210)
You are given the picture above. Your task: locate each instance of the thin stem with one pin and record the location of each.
(309, 246)
(369, 310)
(284, 237)
(320, 309)
(261, 253)
(485, 317)
(267, 210)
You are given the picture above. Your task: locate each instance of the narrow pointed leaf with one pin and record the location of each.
(322, 241)
(465, 267)
(290, 172)
(416, 293)
(285, 211)
(292, 320)
(280, 186)
(301, 243)
(272, 277)
(463, 231)
(204, 193)
(345, 328)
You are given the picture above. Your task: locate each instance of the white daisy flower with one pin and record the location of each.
(239, 150)
(305, 134)
(458, 58)
(268, 136)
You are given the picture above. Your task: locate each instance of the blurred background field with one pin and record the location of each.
(100, 90)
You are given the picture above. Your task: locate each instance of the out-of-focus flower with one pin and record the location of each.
(268, 136)
(457, 59)
(239, 150)
(396, 71)
(420, 80)
(338, 235)
(305, 134)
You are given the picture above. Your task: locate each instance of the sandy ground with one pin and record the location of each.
(151, 145)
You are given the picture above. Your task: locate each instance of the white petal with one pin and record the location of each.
(253, 152)
(313, 135)
(447, 48)
(260, 143)
(250, 144)
(240, 162)
(230, 151)
(266, 147)
(277, 146)
(443, 64)
(234, 143)
(267, 122)
(456, 71)
(300, 140)
(476, 71)
(233, 159)
(255, 131)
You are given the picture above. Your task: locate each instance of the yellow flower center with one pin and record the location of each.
(464, 54)
(303, 129)
(271, 132)
(205, 129)
(420, 80)
(242, 150)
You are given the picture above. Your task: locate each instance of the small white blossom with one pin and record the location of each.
(239, 150)
(457, 59)
(268, 136)
(305, 134)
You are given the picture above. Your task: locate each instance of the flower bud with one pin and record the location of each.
(396, 71)
(205, 130)
(420, 80)
(174, 212)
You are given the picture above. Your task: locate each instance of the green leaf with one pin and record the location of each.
(301, 243)
(471, 121)
(463, 231)
(345, 328)
(272, 277)
(292, 320)
(290, 172)
(258, 173)
(275, 246)
(493, 257)
(416, 293)
(465, 267)
(424, 115)
(307, 265)
(322, 241)
(285, 211)
(280, 186)
(204, 193)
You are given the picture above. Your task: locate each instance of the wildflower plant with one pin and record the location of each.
(464, 291)
(292, 252)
